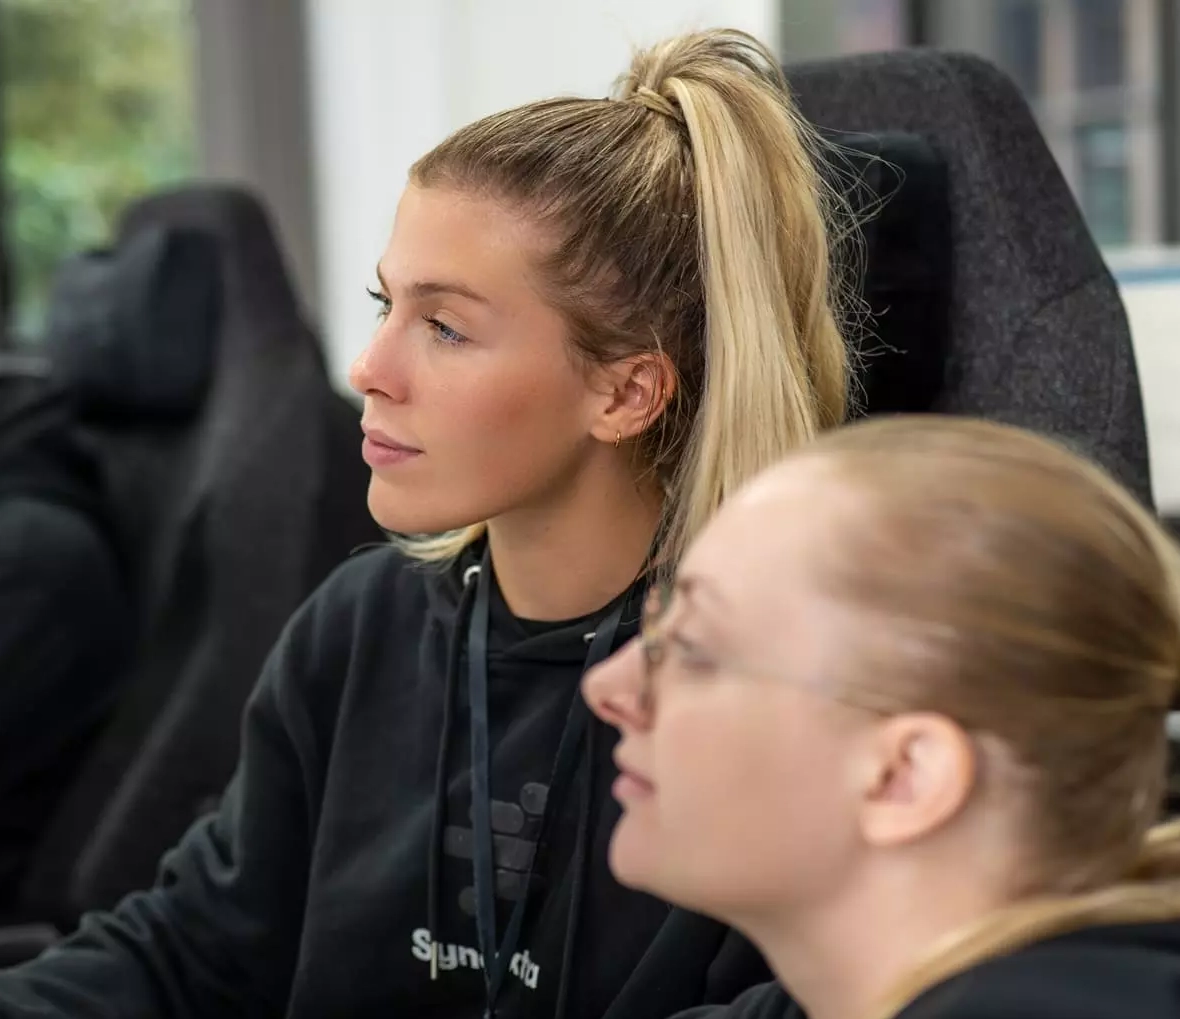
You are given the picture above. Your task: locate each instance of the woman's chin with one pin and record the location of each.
(637, 862)
(402, 512)
(631, 858)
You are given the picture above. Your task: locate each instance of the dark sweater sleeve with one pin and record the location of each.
(218, 935)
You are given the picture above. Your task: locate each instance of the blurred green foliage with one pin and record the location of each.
(98, 110)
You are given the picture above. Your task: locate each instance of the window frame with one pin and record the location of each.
(1169, 111)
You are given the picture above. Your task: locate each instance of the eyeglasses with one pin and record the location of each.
(653, 636)
(658, 637)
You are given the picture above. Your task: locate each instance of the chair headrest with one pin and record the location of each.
(133, 330)
(897, 188)
(254, 275)
(1020, 239)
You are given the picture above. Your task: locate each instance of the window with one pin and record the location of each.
(1104, 182)
(97, 109)
(1019, 43)
(1093, 71)
(1100, 43)
(867, 25)
(1102, 77)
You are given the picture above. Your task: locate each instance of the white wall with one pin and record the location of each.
(1154, 313)
(391, 78)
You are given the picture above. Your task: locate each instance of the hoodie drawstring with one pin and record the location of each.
(439, 815)
(580, 870)
(473, 622)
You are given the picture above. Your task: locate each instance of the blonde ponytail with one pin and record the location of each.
(776, 362)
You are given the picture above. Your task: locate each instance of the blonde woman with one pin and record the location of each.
(901, 721)
(598, 317)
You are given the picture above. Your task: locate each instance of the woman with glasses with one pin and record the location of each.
(901, 720)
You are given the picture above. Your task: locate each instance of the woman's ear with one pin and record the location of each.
(636, 391)
(916, 774)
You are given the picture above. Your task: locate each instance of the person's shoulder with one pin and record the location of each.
(380, 585)
(382, 578)
(370, 572)
(1131, 972)
(363, 621)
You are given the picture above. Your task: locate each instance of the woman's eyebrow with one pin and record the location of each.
(429, 288)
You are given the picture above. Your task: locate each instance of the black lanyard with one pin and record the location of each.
(497, 962)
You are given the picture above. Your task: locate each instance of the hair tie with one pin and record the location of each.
(657, 103)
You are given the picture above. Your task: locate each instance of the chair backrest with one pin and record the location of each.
(1037, 334)
(268, 494)
(132, 336)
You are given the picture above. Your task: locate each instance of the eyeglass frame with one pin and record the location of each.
(654, 640)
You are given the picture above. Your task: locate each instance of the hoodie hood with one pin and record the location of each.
(530, 643)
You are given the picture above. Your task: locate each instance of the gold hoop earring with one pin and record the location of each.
(618, 439)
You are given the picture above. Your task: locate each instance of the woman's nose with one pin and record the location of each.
(379, 368)
(360, 372)
(615, 689)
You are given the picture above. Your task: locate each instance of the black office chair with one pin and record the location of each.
(1036, 332)
(242, 479)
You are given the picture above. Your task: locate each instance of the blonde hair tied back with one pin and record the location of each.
(657, 103)
(1043, 602)
(689, 219)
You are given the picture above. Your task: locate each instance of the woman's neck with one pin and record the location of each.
(577, 552)
(845, 963)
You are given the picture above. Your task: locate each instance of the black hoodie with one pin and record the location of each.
(308, 893)
(1127, 972)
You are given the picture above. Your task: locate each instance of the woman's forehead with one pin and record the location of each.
(761, 558)
(774, 522)
(450, 234)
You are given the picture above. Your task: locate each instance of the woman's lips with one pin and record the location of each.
(630, 785)
(382, 450)
(628, 788)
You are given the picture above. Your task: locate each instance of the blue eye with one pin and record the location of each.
(444, 333)
(383, 303)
